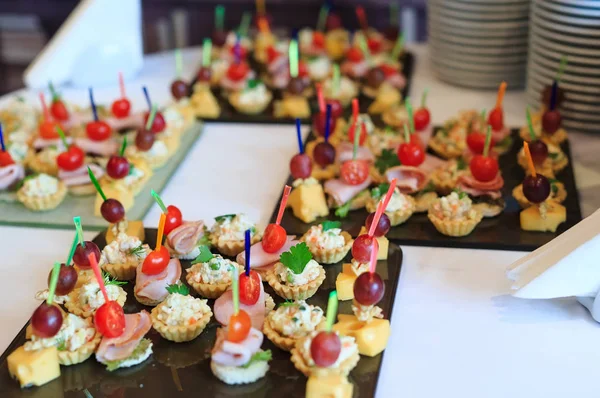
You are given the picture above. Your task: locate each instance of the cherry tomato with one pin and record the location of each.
(71, 159)
(318, 40)
(48, 130)
(496, 119)
(156, 261)
(374, 45)
(98, 130)
(302, 69)
(421, 119)
(121, 108)
(6, 159)
(363, 134)
(272, 54)
(173, 220)
(411, 154)
(354, 55)
(388, 70)
(483, 168)
(59, 110)
(274, 238)
(354, 172)
(239, 327)
(249, 288)
(237, 72)
(109, 319)
(476, 142)
(158, 125)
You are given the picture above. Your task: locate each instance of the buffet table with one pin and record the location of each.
(456, 331)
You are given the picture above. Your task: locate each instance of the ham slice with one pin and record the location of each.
(227, 353)
(154, 287)
(425, 135)
(184, 238)
(132, 121)
(80, 176)
(342, 192)
(344, 152)
(467, 180)
(409, 179)
(498, 136)
(260, 258)
(224, 308)
(101, 148)
(119, 348)
(280, 80)
(10, 174)
(478, 192)
(41, 143)
(397, 80)
(431, 163)
(279, 65)
(355, 69)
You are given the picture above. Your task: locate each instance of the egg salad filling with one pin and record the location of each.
(216, 270)
(296, 319)
(454, 207)
(319, 67)
(40, 186)
(349, 348)
(74, 332)
(231, 227)
(317, 238)
(347, 88)
(182, 310)
(398, 201)
(256, 92)
(124, 250)
(366, 313)
(286, 275)
(91, 298)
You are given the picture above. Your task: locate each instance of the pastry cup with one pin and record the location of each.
(558, 166)
(331, 256)
(301, 292)
(231, 248)
(443, 186)
(250, 109)
(546, 168)
(123, 271)
(283, 342)
(67, 358)
(154, 162)
(423, 201)
(558, 197)
(557, 138)
(72, 305)
(394, 116)
(82, 190)
(444, 151)
(455, 228)
(43, 203)
(239, 375)
(207, 290)
(37, 166)
(84, 276)
(179, 333)
(343, 369)
(396, 217)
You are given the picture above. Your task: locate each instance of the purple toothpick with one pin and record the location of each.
(94, 110)
(553, 95)
(299, 134)
(327, 120)
(247, 248)
(237, 50)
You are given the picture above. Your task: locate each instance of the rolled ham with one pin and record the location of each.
(473, 187)
(409, 179)
(119, 348)
(397, 80)
(154, 287)
(80, 176)
(425, 135)
(500, 135)
(344, 152)
(223, 308)
(132, 121)
(101, 148)
(10, 175)
(41, 143)
(184, 238)
(342, 192)
(227, 353)
(260, 258)
(280, 80)
(355, 69)
(431, 163)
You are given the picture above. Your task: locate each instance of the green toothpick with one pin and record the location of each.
(561, 68)
(245, 24)
(53, 282)
(409, 110)
(362, 43)
(77, 221)
(398, 46)
(159, 201)
(394, 13)
(123, 147)
(235, 287)
(357, 132)
(336, 80)
(482, 118)
(488, 140)
(63, 138)
(151, 118)
(424, 97)
(178, 63)
(72, 251)
(206, 52)
(219, 17)
(96, 184)
(322, 18)
(293, 54)
(406, 134)
(530, 124)
(332, 306)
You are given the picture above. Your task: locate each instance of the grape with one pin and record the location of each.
(158, 124)
(325, 348)
(324, 154)
(375, 77)
(80, 258)
(296, 86)
(219, 38)
(179, 89)
(336, 108)
(46, 320)
(547, 95)
(538, 150)
(551, 121)
(112, 210)
(67, 279)
(144, 139)
(117, 167)
(301, 166)
(368, 288)
(536, 189)
(319, 123)
(362, 248)
(383, 226)
(204, 74)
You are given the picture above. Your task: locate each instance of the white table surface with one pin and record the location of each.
(456, 332)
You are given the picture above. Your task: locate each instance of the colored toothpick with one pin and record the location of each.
(235, 287)
(381, 209)
(488, 140)
(96, 184)
(123, 147)
(336, 80)
(293, 54)
(561, 68)
(237, 49)
(178, 63)
(406, 133)
(62, 136)
(332, 306)
(161, 229)
(53, 282)
(219, 17)
(159, 201)
(553, 95)
(145, 89)
(93, 104)
(77, 221)
(374, 251)
(500, 96)
(398, 46)
(529, 158)
(284, 199)
(299, 136)
(44, 107)
(320, 98)
(72, 250)
(321, 21)
(151, 117)
(122, 85)
(2, 139)
(409, 111)
(98, 275)
(327, 122)
(247, 241)
(530, 124)
(245, 24)
(206, 52)
(424, 97)
(356, 141)
(260, 7)
(482, 118)
(364, 47)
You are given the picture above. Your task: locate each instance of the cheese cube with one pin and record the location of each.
(328, 386)
(33, 368)
(532, 220)
(308, 202)
(344, 284)
(384, 244)
(113, 191)
(134, 228)
(371, 337)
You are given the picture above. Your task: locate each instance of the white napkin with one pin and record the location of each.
(569, 265)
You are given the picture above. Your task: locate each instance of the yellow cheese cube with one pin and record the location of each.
(384, 244)
(532, 220)
(134, 228)
(308, 202)
(328, 386)
(113, 191)
(34, 368)
(344, 284)
(371, 337)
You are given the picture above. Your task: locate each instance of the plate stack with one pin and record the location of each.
(570, 28)
(479, 43)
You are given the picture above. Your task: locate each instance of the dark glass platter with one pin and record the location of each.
(499, 233)
(183, 369)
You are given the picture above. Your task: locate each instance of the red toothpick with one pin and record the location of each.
(362, 18)
(354, 114)
(98, 274)
(320, 98)
(373, 261)
(284, 199)
(122, 85)
(44, 107)
(382, 206)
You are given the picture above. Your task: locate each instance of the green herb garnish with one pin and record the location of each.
(258, 357)
(204, 256)
(327, 225)
(343, 210)
(179, 288)
(302, 308)
(295, 319)
(461, 194)
(297, 258)
(428, 188)
(61, 345)
(252, 83)
(138, 352)
(461, 164)
(386, 160)
(287, 303)
(224, 217)
(380, 190)
(553, 155)
(131, 169)
(109, 280)
(137, 251)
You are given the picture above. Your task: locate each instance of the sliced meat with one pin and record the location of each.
(118, 348)
(431, 163)
(41, 143)
(344, 152)
(227, 353)
(397, 80)
(409, 179)
(101, 148)
(80, 176)
(133, 121)
(184, 238)
(154, 287)
(223, 308)
(10, 174)
(260, 258)
(342, 192)
(425, 135)
(355, 69)
(478, 192)
(468, 181)
(500, 135)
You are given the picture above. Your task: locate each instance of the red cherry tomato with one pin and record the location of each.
(354, 55)
(318, 40)
(388, 70)
(274, 238)
(496, 119)
(483, 168)
(109, 319)
(354, 172)
(476, 142)
(156, 261)
(48, 131)
(237, 72)
(71, 159)
(374, 45)
(249, 288)
(158, 125)
(272, 54)
(98, 130)
(6, 159)
(239, 327)
(302, 69)
(121, 108)
(59, 111)
(411, 154)
(363, 134)
(421, 118)
(173, 220)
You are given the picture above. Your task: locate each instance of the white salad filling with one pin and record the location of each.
(347, 88)
(287, 276)
(216, 270)
(398, 201)
(74, 332)
(331, 239)
(135, 174)
(349, 349)
(453, 207)
(40, 186)
(296, 319)
(232, 228)
(18, 151)
(306, 181)
(256, 94)
(91, 297)
(173, 117)
(124, 249)
(159, 149)
(180, 310)
(319, 68)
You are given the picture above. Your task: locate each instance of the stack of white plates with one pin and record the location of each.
(479, 43)
(567, 28)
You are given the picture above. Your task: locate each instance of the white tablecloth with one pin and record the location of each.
(456, 333)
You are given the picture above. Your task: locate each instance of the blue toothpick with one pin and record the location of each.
(327, 120)
(94, 110)
(247, 248)
(147, 98)
(299, 134)
(2, 139)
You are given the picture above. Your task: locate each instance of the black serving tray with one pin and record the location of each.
(499, 233)
(183, 369)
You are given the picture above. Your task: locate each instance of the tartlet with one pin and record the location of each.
(139, 174)
(445, 178)
(227, 234)
(121, 257)
(292, 321)
(43, 162)
(155, 157)
(180, 317)
(85, 300)
(302, 360)
(328, 244)
(212, 278)
(42, 192)
(399, 208)
(252, 100)
(454, 215)
(558, 194)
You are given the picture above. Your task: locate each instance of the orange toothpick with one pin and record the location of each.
(529, 159)
(500, 97)
(161, 228)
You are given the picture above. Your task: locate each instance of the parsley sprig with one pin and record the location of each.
(258, 357)
(297, 258)
(386, 160)
(178, 288)
(327, 225)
